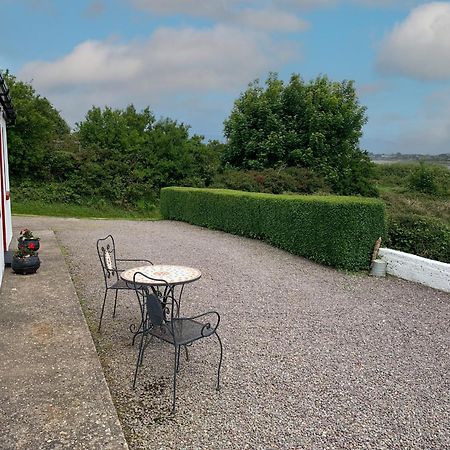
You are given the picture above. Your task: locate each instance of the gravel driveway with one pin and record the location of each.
(314, 358)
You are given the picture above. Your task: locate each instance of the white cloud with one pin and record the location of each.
(222, 9)
(170, 62)
(419, 46)
(169, 59)
(91, 62)
(425, 130)
(270, 20)
(432, 132)
(386, 3)
(95, 9)
(257, 15)
(202, 8)
(375, 87)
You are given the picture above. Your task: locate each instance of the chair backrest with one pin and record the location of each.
(106, 250)
(154, 309)
(149, 302)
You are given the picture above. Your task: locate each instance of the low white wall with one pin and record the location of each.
(415, 268)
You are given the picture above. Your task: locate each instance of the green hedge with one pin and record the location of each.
(422, 236)
(336, 231)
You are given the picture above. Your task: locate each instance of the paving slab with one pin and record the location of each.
(53, 394)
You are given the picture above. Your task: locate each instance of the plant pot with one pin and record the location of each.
(26, 243)
(26, 265)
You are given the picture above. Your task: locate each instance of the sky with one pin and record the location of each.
(191, 59)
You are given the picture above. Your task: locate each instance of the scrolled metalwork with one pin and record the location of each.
(177, 331)
(106, 251)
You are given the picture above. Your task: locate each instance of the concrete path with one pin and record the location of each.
(53, 394)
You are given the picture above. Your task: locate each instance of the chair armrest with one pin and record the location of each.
(209, 327)
(136, 260)
(125, 260)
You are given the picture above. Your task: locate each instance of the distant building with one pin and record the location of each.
(7, 117)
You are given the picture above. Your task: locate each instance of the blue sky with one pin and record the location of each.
(190, 59)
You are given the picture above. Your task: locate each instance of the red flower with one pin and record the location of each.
(31, 245)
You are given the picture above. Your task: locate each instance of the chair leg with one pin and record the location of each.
(178, 359)
(143, 349)
(139, 359)
(186, 351)
(220, 362)
(115, 303)
(177, 354)
(103, 309)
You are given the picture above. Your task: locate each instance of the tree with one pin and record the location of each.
(315, 125)
(35, 137)
(129, 155)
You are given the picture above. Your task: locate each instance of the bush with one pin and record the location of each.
(271, 181)
(307, 181)
(421, 236)
(423, 180)
(236, 179)
(393, 174)
(431, 179)
(336, 231)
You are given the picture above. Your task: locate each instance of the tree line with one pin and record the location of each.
(280, 137)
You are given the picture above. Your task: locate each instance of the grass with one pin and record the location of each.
(65, 210)
(417, 199)
(393, 183)
(415, 203)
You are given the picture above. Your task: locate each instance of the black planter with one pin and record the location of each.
(25, 243)
(25, 266)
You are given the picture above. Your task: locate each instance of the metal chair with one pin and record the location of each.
(106, 250)
(178, 331)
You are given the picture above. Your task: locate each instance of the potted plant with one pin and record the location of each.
(25, 261)
(27, 240)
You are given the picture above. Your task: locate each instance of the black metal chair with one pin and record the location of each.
(178, 331)
(106, 250)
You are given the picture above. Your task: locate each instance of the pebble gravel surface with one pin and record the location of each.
(314, 358)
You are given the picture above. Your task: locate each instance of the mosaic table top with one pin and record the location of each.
(171, 274)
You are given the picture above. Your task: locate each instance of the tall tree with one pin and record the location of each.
(315, 125)
(37, 133)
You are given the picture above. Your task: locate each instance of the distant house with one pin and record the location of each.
(7, 117)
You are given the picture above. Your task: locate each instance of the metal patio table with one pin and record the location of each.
(163, 280)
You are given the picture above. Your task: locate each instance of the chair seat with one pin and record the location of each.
(185, 331)
(120, 284)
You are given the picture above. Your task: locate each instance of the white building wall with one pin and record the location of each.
(8, 215)
(2, 249)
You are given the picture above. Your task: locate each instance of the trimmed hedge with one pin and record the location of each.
(336, 231)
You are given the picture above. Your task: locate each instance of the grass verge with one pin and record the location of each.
(81, 211)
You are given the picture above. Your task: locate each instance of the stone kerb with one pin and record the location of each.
(410, 267)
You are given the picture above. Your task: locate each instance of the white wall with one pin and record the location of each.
(2, 250)
(8, 216)
(415, 268)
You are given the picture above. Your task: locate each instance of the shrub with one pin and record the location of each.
(421, 236)
(423, 180)
(336, 231)
(271, 181)
(307, 181)
(238, 180)
(432, 179)
(393, 174)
